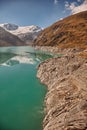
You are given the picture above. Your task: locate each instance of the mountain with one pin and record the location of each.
(26, 33)
(67, 33)
(8, 39)
(9, 27)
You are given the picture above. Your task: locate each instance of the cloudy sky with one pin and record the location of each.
(38, 12)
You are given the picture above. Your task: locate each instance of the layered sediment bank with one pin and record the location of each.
(66, 99)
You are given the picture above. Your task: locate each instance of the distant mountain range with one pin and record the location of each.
(67, 33)
(8, 39)
(25, 34)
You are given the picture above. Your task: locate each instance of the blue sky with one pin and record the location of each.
(38, 12)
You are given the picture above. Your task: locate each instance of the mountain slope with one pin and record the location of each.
(8, 39)
(26, 33)
(69, 32)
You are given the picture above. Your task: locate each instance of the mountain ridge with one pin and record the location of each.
(25, 33)
(8, 39)
(67, 33)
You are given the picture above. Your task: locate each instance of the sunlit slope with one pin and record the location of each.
(69, 32)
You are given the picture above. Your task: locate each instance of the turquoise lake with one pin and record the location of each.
(21, 93)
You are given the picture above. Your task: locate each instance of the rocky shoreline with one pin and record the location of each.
(66, 99)
(56, 50)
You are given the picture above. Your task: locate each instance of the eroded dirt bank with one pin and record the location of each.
(66, 100)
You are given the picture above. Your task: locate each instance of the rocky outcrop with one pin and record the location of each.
(66, 99)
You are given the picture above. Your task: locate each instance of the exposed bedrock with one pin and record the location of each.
(66, 99)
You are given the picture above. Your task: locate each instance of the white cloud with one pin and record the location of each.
(66, 4)
(55, 2)
(74, 8)
(61, 19)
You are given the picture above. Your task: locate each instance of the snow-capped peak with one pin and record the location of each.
(15, 29)
(9, 26)
(25, 33)
(27, 29)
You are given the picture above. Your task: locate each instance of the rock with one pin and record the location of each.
(66, 99)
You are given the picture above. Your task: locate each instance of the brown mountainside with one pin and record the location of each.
(69, 32)
(8, 39)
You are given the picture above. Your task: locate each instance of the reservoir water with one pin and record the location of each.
(21, 93)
